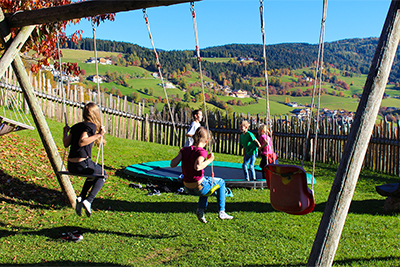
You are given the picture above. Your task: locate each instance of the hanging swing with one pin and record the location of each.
(90, 176)
(289, 191)
(145, 16)
(13, 119)
(215, 185)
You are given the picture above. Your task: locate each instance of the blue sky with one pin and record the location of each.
(223, 22)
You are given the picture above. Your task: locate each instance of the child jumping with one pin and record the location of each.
(250, 145)
(194, 160)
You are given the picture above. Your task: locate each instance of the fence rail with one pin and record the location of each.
(128, 120)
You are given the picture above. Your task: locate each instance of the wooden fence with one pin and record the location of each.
(128, 120)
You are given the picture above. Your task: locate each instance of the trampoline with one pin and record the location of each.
(161, 171)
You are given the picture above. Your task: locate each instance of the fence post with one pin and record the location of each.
(146, 128)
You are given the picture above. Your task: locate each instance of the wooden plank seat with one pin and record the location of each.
(83, 175)
(8, 126)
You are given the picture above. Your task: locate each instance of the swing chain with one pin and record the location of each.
(262, 16)
(145, 16)
(192, 9)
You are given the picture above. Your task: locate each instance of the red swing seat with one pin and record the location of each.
(288, 189)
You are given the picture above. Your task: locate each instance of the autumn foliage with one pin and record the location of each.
(43, 40)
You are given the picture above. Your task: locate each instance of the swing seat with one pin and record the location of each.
(288, 189)
(388, 190)
(212, 190)
(93, 176)
(8, 126)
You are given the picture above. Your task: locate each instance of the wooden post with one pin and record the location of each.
(14, 46)
(333, 219)
(40, 121)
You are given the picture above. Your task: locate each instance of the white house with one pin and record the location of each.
(95, 79)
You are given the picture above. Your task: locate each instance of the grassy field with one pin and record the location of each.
(72, 55)
(218, 59)
(129, 228)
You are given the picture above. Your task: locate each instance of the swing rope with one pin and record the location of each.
(98, 100)
(268, 115)
(65, 110)
(145, 16)
(318, 77)
(201, 79)
(60, 84)
(16, 115)
(13, 118)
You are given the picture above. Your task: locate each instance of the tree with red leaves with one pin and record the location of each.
(43, 40)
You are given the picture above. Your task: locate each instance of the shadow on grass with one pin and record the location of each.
(369, 206)
(38, 197)
(176, 207)
(11, 188)
(365, 261)
(54, 234)
(64, 263)
(276, 265)
(341, 262)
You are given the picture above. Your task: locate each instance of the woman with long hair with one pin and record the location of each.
(81, 137)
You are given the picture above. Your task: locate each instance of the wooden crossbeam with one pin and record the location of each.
(81, 10)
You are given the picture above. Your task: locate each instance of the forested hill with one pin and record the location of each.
(354, 55)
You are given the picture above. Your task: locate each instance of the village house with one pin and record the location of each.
(105, 61)
(227, 89)
(100, 60)
(240, 93)
(292, 104)
(95, 79)
(56, 74)
(168, 85)
(300, 113)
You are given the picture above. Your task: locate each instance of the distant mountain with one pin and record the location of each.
(354, 55)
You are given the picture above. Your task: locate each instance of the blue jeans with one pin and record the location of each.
(207, 184)
(249, 159)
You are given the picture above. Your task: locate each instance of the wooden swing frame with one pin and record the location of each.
(332, 222)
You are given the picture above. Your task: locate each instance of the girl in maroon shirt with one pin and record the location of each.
(194, 160)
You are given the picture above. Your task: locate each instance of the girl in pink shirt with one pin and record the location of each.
(265, 138)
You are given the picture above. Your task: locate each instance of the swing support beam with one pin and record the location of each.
(37, 114)
(81, 10)
(337, 206)
(27, 21)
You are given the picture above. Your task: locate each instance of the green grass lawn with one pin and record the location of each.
(129, 228)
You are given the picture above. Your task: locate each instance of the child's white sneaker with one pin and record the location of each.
(87, 206)
(224, 216)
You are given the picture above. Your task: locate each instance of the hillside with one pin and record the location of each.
(238, 67)
(348, 54)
